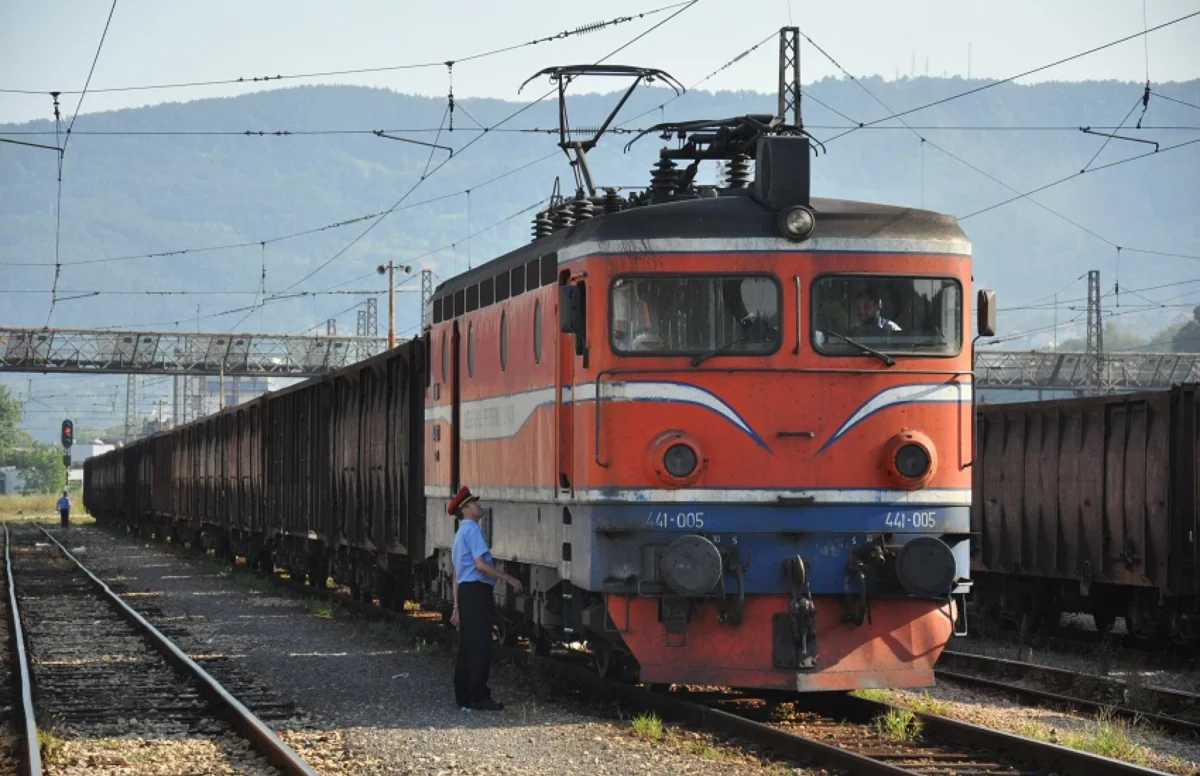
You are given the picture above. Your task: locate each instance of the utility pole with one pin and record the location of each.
(160, 404)
(390, 269)
(331, 327)
(1095, 331)
(789, 76)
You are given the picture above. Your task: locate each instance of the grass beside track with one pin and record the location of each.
(21, 507)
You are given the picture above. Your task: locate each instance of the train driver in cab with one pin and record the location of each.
(869, 317)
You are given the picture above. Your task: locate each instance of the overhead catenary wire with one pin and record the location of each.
(964, 162)
(1011, 78)
(584, 130)
(583, 29)
(379, 219)
(291, 235)
(1072, 176)
(62, 155)
(305, 294)
(738, 58)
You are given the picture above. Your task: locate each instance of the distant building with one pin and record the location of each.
(11, 480)
(82, 452)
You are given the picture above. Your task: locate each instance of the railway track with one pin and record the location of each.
(839, 732)
(108, 688)
(1086, 643)
(854, 734)
(1170, 711)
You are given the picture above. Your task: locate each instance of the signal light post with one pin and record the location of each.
(68, 439)
(390, 268)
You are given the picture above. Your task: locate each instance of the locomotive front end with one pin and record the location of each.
(725, 431)
(777, 437)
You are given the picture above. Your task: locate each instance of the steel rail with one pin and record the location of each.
(31, 762)
(1055, 757)
(264, 739)
(1045, 755)
(1002, 669)
(788, 744)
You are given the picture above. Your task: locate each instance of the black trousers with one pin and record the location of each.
(66, 517)
(476, 611)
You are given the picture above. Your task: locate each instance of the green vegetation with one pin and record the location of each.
(649, 726)
(321, 608)
(898, 725)
(40, 464)
(1106, 736)
(927, 704)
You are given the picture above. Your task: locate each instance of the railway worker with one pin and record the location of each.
(475, 576)
(64, 509)
(867, 307)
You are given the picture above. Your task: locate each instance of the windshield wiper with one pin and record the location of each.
(701, 358)
(884, 357)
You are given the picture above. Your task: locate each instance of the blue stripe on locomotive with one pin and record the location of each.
(607, 539)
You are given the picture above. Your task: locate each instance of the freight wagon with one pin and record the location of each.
(1090, 505)
(321, 478)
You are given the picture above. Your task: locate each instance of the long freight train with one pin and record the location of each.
(724, 432)
(1091, 505)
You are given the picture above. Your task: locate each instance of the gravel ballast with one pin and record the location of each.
(371, 706)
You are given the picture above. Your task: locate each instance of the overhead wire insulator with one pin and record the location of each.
(562, 217)
(581, 208)
(664, 177)
(542, 225)
(613, 201)
(737, 172)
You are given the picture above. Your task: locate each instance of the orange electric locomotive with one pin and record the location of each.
(722, 430)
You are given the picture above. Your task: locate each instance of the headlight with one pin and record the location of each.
(909, 459)
(680, 460)
(912, 461)
(796, 223)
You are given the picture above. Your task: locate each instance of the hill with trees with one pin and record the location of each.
(151, 180)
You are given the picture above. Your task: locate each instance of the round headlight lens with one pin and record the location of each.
(680, 460)
(912, 461)
(797, 223)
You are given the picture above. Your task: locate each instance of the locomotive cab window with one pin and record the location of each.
(695, 314)
(887, 314)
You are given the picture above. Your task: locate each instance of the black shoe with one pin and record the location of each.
(487, 705)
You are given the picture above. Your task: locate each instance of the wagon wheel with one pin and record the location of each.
(506, 632)
(539, 644)
(602, 658)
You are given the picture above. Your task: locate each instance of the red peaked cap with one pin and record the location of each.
(460, 500)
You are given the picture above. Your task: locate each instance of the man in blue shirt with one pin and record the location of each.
(475, 576)
(64, 509)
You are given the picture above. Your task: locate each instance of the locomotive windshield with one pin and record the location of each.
(887, 314)
(695, 314)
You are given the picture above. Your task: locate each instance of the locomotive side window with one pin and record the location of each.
(695, 314)
(537, 332)
(443, 358)
(470, 350)
(886, 314)
(503, 340)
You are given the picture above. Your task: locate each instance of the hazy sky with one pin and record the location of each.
(49, 44)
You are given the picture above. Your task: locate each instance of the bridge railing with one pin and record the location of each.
(149, 352)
